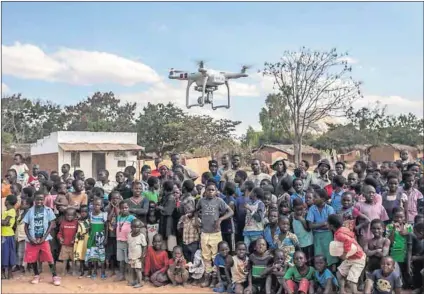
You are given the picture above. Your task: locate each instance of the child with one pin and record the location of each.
(287, 241)
(398, 233)
(213, 211)
(352, 181)
(191, 232)
(156, 263)
(78, 197)
(298, 191)
(177, 271)
(26, 204)
(240, 212)
(272, 230)
(413, 194)
(112, 210)
(370, 209)
(393, 198)
(351, 267)
(8, 248)
(255, 210)
(136, 250)
(349, 213)
(97, 240)
(301, 229)
(222, 259)
(238, 266)
(66, 236)
(152, 193)
(123, 228)
(152, 226)
(317, 220)
(81, 238)
(309, 199)
(324, 280)
(196, 268)
(276, 272)
(378, 247)
(384, 280)
(259, 260)
(166, 208)
(338, 184)
(227, 226)
(297, 278)
(38, 224)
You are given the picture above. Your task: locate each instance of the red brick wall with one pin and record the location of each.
(47, 162)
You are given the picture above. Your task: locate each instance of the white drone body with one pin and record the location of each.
(207, 81)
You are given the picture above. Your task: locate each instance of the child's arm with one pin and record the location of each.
(368, 286)
(31, 240)
(106, 232)
(365, 222)
(386, 248)
(328, 286)
(6, 222)
(409, 255)
(249, 276)
(60, 234)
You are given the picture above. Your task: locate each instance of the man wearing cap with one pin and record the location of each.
(321, 178)
(257, 175)
(280, 167)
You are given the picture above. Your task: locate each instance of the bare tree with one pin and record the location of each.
(314, 85)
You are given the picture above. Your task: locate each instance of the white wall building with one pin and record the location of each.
(87, 151)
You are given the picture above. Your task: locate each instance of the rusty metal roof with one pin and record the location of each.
(99, 147)
(289, 149)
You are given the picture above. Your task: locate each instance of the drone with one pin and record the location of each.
(207, 81)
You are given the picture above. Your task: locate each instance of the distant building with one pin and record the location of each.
(391, 152)
(88, 151)
(353, 153)
(269, 153)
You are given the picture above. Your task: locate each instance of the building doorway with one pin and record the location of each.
(98, 163)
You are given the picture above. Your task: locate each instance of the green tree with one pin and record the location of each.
(313, 85)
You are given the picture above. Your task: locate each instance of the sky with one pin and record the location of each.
(66, 51)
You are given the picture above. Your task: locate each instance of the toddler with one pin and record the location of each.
(177, 271)
(136, 249)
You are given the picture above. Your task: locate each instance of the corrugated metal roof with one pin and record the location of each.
(99, 147)
(289, 149)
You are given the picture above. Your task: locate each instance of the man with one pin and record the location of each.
(225, 162)
(65, 172)
(340, 168)
(257, 175)
(33, 179)
(188, 173)
(321, 178)
(229, 175)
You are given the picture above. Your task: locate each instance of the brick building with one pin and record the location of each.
(269, 153)
(88, 151)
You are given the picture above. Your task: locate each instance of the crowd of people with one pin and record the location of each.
(262, 231)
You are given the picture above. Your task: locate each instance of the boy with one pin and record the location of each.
(351, 267)
(213, 210)
(384, 280)
(151, 193)
(39, 221)
(336, 197)
(255, 212)
(191, 232)
(66, 236)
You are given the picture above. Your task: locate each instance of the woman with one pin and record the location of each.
(280, 167)
(138, 204)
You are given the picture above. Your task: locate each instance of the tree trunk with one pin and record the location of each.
(297, 150)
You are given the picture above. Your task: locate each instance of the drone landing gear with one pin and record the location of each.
(207, 96)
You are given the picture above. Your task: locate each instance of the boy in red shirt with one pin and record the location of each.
(353, 265)
(66, 236)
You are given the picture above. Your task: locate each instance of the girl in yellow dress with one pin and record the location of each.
(81, 238)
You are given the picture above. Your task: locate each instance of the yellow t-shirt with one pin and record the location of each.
(7, 231)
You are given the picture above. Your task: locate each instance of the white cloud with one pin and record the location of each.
(4, 88)
(74, 66)
(395, 104)
(348, 59)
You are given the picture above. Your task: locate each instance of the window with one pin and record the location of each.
(122, 163)
(75, 159)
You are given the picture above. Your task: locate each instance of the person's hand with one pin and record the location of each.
(343, 256)
(41, 240)
(218, 224)
(32, 241)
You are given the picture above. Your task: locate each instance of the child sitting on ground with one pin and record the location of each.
(156, 263)
(196, 268)
(297, 278)
(222, 259)
(136, 248)
(384, 280)
(324, 280)
(275, 276)
(177, 271)
(259, 260)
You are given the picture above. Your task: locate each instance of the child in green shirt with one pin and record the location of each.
(152, 194)
(297, 278)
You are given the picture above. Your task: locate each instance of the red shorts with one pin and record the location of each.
(39, 252)
(303, 286)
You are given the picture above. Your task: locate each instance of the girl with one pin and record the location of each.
(309, 199)
(377, 247)
(196, 268)
(78, 197)
(413, 195)
(371, 210)
(287, 241)
(297, 278)
(393, 198)
(255, 209)
(259, 260)
(222, 259)
(81, 238)
(317, 220)
(301, 229)
(398, 233)
(284, 208)
(156, 263)
(136, 248)
(112, 210)
(238, 266)
(8, 248)
(349, 213)
(98, 240)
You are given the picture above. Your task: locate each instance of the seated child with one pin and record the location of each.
(238, 266)
(352, 266)
(384, 280)
(324, 280)
(196, 268)
(297, 278)
(177, 271)
(378, 247)
(222, 259)
(275, 273)
(136, 247)
(259, 260)
(156, 263)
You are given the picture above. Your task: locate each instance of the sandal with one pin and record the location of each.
(35, 280)
(56, 281)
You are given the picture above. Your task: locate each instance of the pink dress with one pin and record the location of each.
(372, 211)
